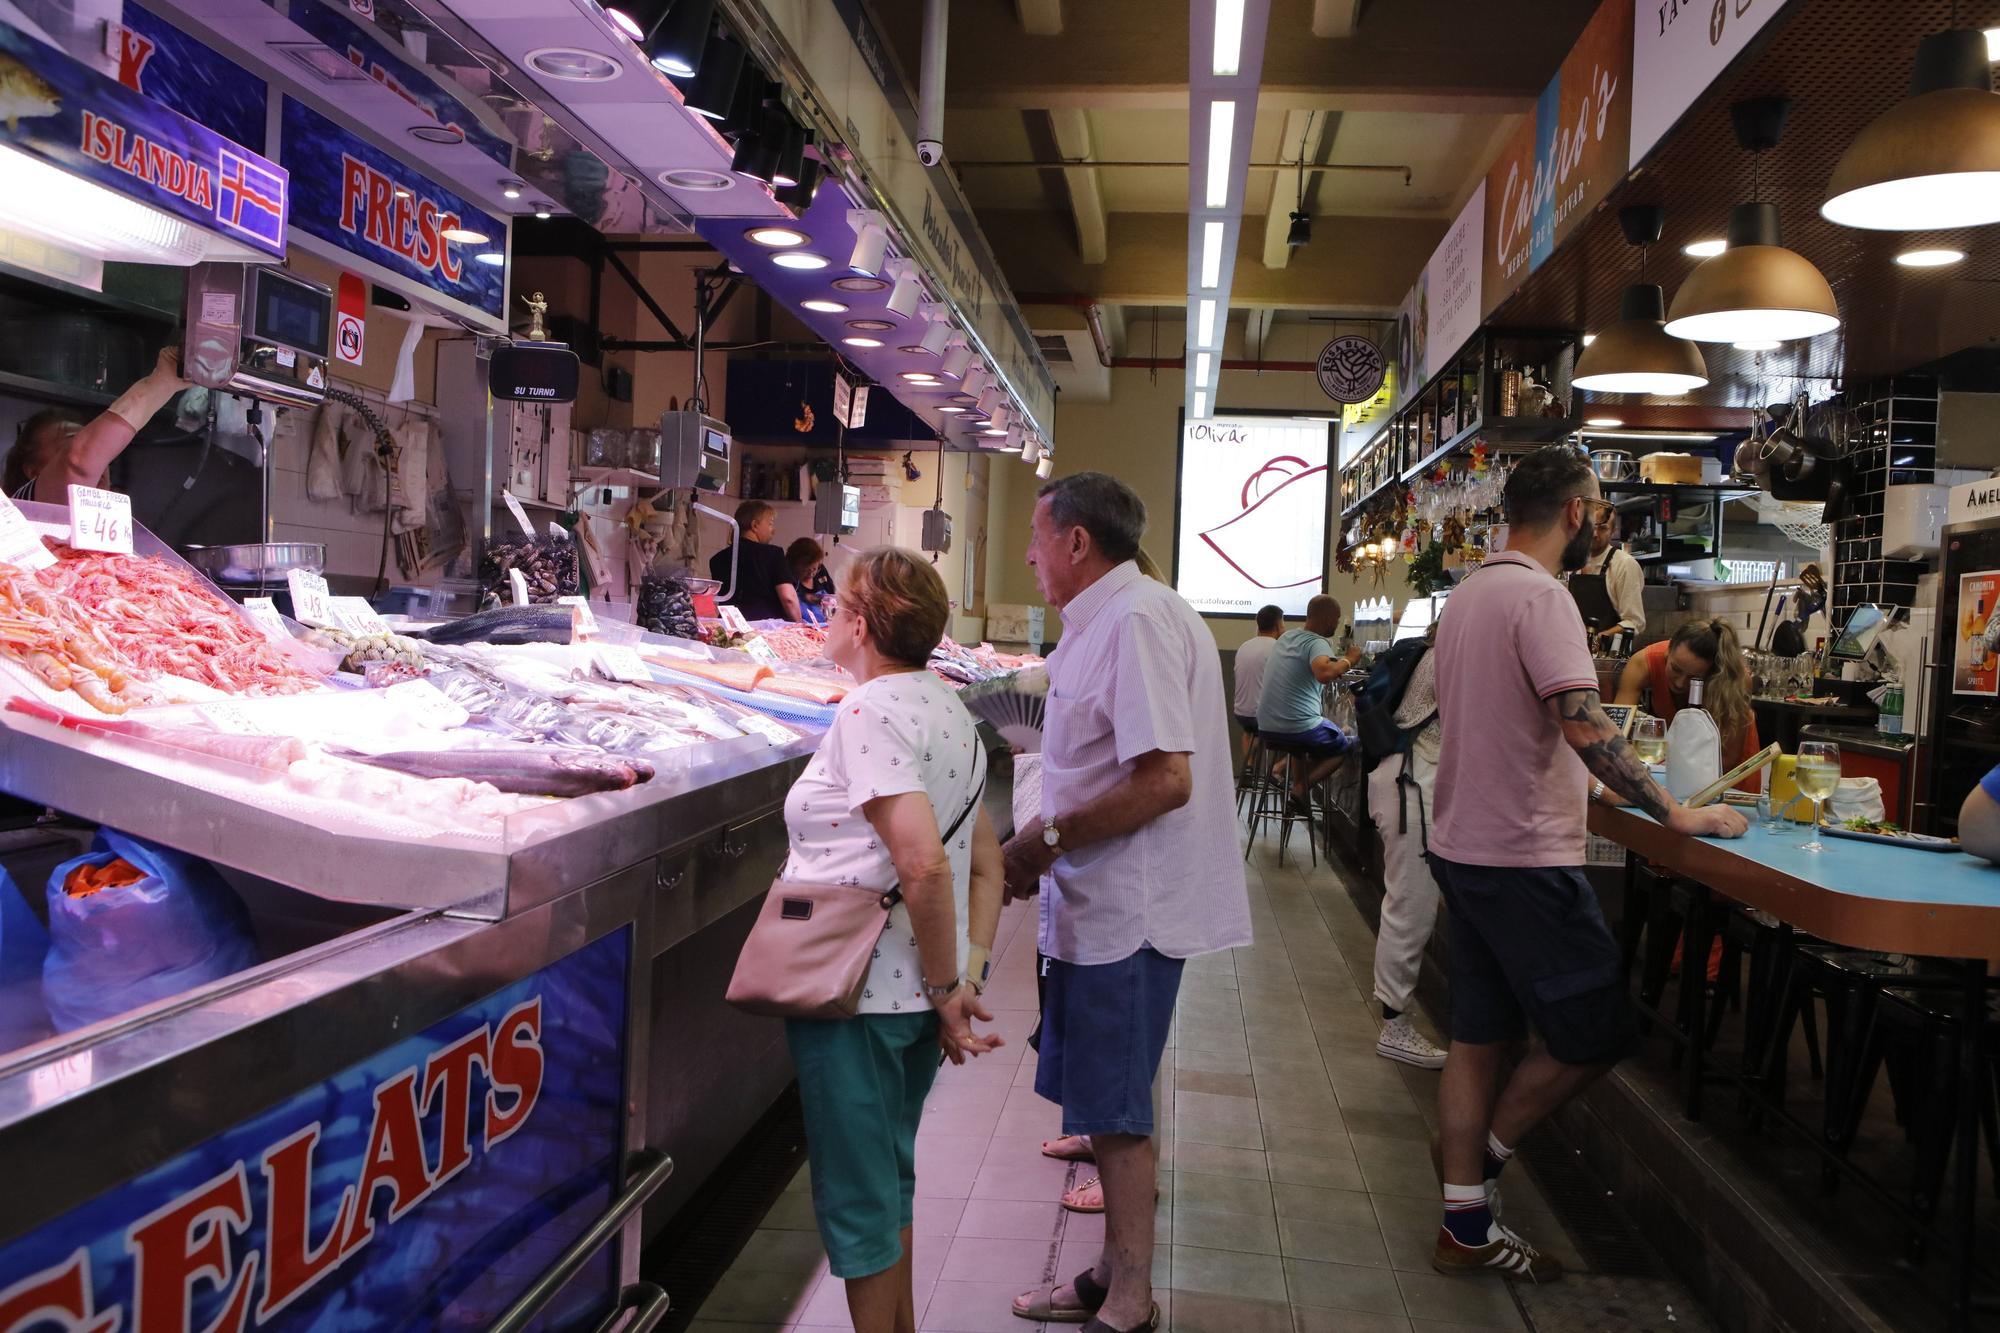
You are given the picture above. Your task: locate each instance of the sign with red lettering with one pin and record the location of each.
(357, 198)
(425, 1187)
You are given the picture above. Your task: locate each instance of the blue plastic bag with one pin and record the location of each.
(177, 928)
(23, 944)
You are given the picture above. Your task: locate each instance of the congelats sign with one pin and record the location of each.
(1252, 520)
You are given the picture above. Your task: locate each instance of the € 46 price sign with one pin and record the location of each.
(100, 520)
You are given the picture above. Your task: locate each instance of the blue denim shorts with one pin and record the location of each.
(1104, 1026)
(1324, 741)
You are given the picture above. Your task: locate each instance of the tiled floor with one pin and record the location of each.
(1296, 1193)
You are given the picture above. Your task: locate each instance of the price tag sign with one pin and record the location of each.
(520, 584)
(354, 615)
(100, 520)
(620, 663)
(732, 620)
(773, 731)
(230, 717)
(429, 703)
(312, 604)
(264, 615)
(520, 514)
(760, 651)
(583, 621)
(20, 545)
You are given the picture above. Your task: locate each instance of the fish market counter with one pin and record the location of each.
(467, 1082)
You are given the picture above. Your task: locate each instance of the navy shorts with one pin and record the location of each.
(1104, 1026)
(1528, 944)
(1324, 741)
(1248, 723)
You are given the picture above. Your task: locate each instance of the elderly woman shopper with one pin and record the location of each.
(877, 806)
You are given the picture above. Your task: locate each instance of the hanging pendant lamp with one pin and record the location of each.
(1932, 161)
(1637, 354)
(1755, 290)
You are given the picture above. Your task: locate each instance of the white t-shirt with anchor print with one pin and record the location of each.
(900, 733)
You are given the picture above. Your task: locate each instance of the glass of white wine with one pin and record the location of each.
(1649, 738)
(1818, 776)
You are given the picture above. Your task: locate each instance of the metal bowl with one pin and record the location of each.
(1613, 465)
(257, 562)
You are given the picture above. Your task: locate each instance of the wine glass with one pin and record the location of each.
(1649, 738)
(1818, 776)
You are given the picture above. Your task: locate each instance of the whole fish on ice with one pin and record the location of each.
(504, 625)
(528, 770)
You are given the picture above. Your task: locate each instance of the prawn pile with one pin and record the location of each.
(103, 625)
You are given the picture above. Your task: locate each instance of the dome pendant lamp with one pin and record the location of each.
(1932, 161)
(1755, 290)
(1637, 354)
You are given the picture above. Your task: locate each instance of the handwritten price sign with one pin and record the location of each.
(100, 520)
(20, 545)
(312, 604)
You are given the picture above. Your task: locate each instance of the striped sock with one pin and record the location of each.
(1466, 1214)
(1498, 1155)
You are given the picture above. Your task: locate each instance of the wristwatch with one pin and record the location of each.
(937, 993)
(1050, 837)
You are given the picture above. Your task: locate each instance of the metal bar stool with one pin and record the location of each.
(1272, 801)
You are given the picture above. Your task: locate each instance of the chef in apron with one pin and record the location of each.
(1608, 587)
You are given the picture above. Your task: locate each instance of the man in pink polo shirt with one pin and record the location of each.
(1524, 734)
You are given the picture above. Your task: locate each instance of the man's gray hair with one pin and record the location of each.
(1103, 506)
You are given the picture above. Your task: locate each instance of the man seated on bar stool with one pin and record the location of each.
(1251, 659)
(1290, 715)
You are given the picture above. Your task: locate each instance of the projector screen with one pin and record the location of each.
(1250, 527)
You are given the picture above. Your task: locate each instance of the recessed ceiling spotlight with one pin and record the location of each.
(1603, 422)
(491, 257)
(465, 235)
(568, 64)
(920, 377)
(626, 24)
(511, 189)
(965, 398)
(544, 212)
(445, 134)
(799, 259)
(777, 238)
(1705, 249)
(993, 430)
(821, 305)
(862, 342)
(689, 179)
(872, 325)
(1936, 258)
(951, 407)
(859, 284)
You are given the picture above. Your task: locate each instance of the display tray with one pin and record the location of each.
(1917, 842)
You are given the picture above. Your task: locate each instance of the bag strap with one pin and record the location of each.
(895, 893)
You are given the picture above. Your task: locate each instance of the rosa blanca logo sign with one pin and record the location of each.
(1350, 369)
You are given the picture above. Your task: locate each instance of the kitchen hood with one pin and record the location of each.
(91, 167)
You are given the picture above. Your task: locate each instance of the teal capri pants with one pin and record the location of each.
(862, 1082)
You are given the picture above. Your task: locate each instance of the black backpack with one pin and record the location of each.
(1378, 698)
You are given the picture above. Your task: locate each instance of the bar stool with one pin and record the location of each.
(1251, 778)
(1271, 800)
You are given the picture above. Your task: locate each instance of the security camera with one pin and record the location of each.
(930, 152)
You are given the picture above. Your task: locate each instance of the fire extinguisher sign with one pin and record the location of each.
(350, 319)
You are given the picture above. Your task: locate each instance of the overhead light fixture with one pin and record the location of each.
(988, 399)
(820, 305)
(1301, 232)
(1204, 322)
(858, 341)
(920, 377)
(1211, 254)
(1638, 354)
(791, 155)
(957, 357)
(1992, 46)
(1704, 249)
(511, 189)
(679, 40)
(1200, 403)
(80, 215)
(1757, 345)
(871, 241)
(1001, 415)
(465, 236)
(974, 382)
(1929, 258)
(1202, 363)
(1045, 469)
(937, 332)
(799, 259)
(1221, 126)
(951, 407)
(570, 64)
(758, 150)
(623, 20)
(745, 111)
(871, 325)
(799, 195)
(1226, 58)
(715, 87)
(543, 214)
(777, 238)
(993, 430)
(491, 258)
(908, 289)
(1756, 289)
(1931, 161)
(1030, 446)
(857, 284)
(1605, 422)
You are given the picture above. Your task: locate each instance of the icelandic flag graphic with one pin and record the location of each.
(250, 198)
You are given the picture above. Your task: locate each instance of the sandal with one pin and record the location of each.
(1097, 1325)
(1087, 1197)
(1069, 1148)
(1042, 1307)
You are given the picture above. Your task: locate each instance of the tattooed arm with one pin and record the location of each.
(1612, 761)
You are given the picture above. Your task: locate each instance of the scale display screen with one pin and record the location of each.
(291, 313)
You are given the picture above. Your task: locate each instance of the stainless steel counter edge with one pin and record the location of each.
(588, 837)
